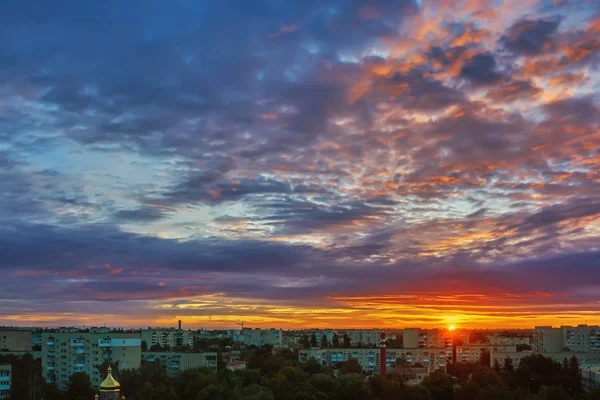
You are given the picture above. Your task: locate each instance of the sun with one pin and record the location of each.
(451, 328)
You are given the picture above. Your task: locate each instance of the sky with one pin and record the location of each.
(314, 163)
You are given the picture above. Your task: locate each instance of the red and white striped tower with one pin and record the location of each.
(382, 355)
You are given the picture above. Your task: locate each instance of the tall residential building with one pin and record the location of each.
(410, 338)
(365, 337)
(64, 353)
(499, 340)
(15, 340)
(178, 362)
(168, 337)
(417, 338)
(5, 379)
(547, 339)
(581, 338)
(260, 337)
(328, 336)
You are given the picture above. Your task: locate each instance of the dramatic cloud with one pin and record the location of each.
(312, 163)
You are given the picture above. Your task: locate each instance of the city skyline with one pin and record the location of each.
(318, 163)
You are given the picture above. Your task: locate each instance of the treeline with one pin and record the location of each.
(281, 377)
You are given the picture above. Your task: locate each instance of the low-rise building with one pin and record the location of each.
(472, 353)
(236, 365)
(369, 359)
(177, 362)
(5, 380)
(590, 377)
(64, 353)
(17, 340)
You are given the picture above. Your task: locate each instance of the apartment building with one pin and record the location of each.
(178, 362)
(17, 340)
(328, 335)
(235, 335)
(499, 340)
(415, 338)
(581, 338)
(5, 380)
(369, 359)
(260, 337)
(168, 337)
(472, 353)
(365, 337)
(67, 352)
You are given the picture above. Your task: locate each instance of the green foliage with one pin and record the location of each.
(313, 340)
(80, 387)
(351, 387)
(335, 341)
(416, 393)
(439, 386)
(324, 342)
(350, 367)
(346, 341)
(305, 341)
(280, 377)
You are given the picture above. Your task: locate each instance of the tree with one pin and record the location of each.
(312, 366)
(468, 391)
(215, 392)
(191, 381)
(485, 358)
(593, 394)
(350, 367)
(49, 391)
(346, 341)
(272, 365)
(324, 342)
(335, 340)
(157, 347)
(508, 367)
(313, 340)
(497, 366)
(351, 387)
(553, 393)
(144, 345)
(416, 393)
(305, 341)
(323, 382)
(80, 387)
(255, 392)
(439, 385)
(574, 373)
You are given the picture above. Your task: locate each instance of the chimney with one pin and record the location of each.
(382, 355)
(179, 324)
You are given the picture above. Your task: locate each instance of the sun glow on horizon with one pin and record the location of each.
(451, 327)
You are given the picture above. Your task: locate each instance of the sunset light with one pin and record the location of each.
(291, 164)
